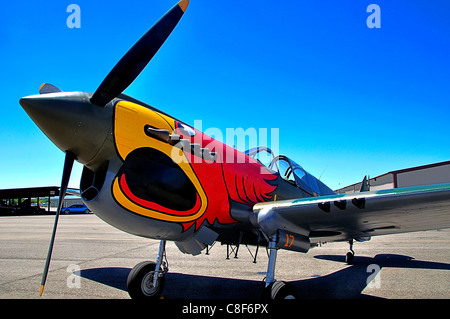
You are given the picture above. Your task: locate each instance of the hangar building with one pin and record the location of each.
(23, 201)
(437, 173)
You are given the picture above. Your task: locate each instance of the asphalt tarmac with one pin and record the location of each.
(91, 260)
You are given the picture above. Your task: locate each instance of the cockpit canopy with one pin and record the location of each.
(289, 171)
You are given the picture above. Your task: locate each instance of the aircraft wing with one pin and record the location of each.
(354, 216)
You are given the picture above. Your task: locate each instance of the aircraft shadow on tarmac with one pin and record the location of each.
(348, 282)
(115, 277)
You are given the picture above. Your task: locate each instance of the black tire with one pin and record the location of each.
(279, 290)
(140, 282)
(349, 258)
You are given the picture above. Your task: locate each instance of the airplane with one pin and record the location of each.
(152, 175)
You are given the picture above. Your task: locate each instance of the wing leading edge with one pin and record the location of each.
(356, 216)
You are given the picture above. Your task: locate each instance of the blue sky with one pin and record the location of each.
(347, 100)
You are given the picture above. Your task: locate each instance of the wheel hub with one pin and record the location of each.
(147, 284)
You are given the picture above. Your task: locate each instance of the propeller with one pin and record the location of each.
(68, 163)
(137, 58)
(117, 80)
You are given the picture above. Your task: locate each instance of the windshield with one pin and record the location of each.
(295, 174)
(285, 171)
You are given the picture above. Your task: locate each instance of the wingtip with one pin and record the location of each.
(183, 4)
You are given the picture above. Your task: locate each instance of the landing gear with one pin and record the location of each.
(141, 281)
(351, 254)
(275, 289)
(146, 280)
(278, 290)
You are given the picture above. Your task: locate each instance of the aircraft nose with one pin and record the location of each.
(71, 122)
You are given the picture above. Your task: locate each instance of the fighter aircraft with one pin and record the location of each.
(152, 175)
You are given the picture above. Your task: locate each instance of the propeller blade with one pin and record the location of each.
(137, 58)
(48, 88)
(68, 163)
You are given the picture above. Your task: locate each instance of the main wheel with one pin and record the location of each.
(279, 290)
(140, 282)
(349, 258)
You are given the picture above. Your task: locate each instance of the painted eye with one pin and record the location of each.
(186, 130)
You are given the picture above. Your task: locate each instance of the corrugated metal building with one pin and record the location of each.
(437, 173)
